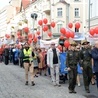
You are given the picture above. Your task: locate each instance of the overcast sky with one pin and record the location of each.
(4, 3)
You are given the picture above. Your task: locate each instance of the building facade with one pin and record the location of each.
(93, 13)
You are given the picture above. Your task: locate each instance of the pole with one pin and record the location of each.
(89, 16)
(33, 23)
(33, 28)
(42, 25)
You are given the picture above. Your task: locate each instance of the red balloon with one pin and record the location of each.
(66, 43)
(63, 31)
(30, 41)
(49, 34)
(7, 36)
(61, 37)
(38, 32)
(72, 34)
(26, 29)
(92, 32)
(77, 25)
(40, 22)
(19, 37)
(70, 25)
(45, 21)
(18, 33)
(96, 30)
(35, 39)
(67, 34)
(45, 28)
(53, 24)
(30, 35)
(18, 46)
(60, 47)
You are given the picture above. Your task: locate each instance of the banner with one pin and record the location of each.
(79, 69)
(79, 36)
(63, 68)
(92, 39)
(46, 44)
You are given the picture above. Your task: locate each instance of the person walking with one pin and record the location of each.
(72, 60)
(53, 63)
(86, 64)
(28, 66)
(95, 61)
(6, 55)
(21, 56)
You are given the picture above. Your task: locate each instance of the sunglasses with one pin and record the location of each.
(78, 48)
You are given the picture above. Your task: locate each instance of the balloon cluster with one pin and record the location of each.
(68, 33)
(93, 31)
(77, 25)
(31, 37)
(45, 27)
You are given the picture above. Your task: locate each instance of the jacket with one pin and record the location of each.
(50, 57)
(26, 55)
(72, 58)
(95, 58)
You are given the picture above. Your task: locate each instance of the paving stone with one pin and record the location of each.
(12, 85)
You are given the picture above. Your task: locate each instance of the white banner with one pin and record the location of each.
(92, 39)
(46, 44)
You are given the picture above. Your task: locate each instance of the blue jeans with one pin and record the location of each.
(96, 73)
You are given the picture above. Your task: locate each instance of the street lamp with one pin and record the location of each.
(34, 17)
(89, 15)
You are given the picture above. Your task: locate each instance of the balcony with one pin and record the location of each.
(46, 7)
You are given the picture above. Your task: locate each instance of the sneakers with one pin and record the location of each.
(79, 84)
(26, 83)
(55, 84)
(74, 92)
(70, 91)
(87, 91)
(32, 83)
(59, 85)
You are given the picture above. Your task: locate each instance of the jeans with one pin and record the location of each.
(55, 73)
(96, 73)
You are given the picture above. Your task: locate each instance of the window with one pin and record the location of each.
(76, 30)
(76, 0)
(59, 27)
(59, 12)
(76, 12)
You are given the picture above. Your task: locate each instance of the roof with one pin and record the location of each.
(62, 1)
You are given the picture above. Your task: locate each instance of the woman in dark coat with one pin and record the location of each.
(6, 55)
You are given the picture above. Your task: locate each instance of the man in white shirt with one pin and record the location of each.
(53, 63)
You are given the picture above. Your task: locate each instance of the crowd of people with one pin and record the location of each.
(41, 61)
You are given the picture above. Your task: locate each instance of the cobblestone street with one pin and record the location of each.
(12, 86)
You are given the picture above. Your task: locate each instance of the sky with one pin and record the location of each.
(3, 3)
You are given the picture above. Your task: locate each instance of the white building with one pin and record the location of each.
(6, 14)
(3, 21)
(60, 11)
(93, 13)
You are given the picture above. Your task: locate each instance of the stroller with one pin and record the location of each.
(63, 68)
